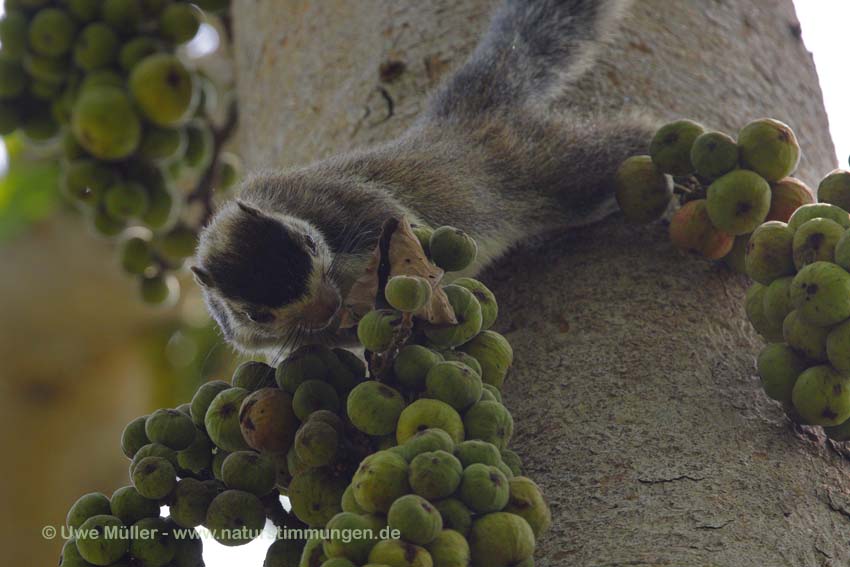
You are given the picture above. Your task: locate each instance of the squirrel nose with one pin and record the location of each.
(319, 312)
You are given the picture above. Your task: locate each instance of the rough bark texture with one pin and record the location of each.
(634, 391)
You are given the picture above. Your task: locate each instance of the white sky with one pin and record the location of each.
(825, 26)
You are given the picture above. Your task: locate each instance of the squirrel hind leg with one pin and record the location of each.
(590, 149)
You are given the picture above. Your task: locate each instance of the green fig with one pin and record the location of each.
(153, 450)
(452, 249)
(786, 196)
(489, 421)
(769, 252)
(197, 457)
(249, 471)
(754, 308)
(99, 542)
(105, 123)
(171, 428)
(374, 408)
(314, 395)
(381, 478)
(430, 439)
(253, 375)
(807, 339)
(769, 148)
(376, 329)
(51, 32)
(427, 413)
(474, 451)
(500, 539)
(842, 251)
(134, 437)
(486, 299)
(202, 399)
(130, 506)
(412, 364)
(416, 519)
(268, 421)
(156, 545)
(776, 301)
(163, 89)
(14, 28)
(838, 347)
(454, 383)
(818, 210)
(398, 553)
(495, 355)
(235, 517)
(222, 419)
(816, 240)
(779, 366)
(714, 154)
(315, 496)
(316, 443)
(435, 475)
(154, 477)
(833, 189)
(670, 148)
(86, 506)
(822, 396)
(642, 191)
(179, 22)
(468, 313)
(526, 500)
(96, 47)
(305, 363)
(484, 488)
(456, 515)
(189, 503)
(355, 539)
(135, 50)
(738, 202)
(820, 293)
(407, 293)
(123, 15)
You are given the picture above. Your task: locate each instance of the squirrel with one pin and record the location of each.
(490, 155)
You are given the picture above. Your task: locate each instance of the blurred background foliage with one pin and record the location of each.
(80, 353)
(29, 187)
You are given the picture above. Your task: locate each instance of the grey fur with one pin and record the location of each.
(489, 156)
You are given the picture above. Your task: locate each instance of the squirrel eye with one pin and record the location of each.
(310, 242)
(259, 316)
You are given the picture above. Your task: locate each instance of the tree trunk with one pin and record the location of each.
(634, 390)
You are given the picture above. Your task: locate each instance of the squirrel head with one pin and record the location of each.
(266, 277)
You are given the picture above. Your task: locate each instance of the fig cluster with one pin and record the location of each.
(800, 304)
(101, 79)
(408, 444)
(726, 188)
(447, 504)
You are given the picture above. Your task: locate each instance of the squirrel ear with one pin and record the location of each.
(248, 209)
(202, 276)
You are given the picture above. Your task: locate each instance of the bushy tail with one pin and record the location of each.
(533, 52)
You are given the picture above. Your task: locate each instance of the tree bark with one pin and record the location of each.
(634, 391)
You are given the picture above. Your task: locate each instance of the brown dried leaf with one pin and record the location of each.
(361, 298)
(397, 253)
(407, 258)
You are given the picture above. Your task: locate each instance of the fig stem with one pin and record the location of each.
(385, 359)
